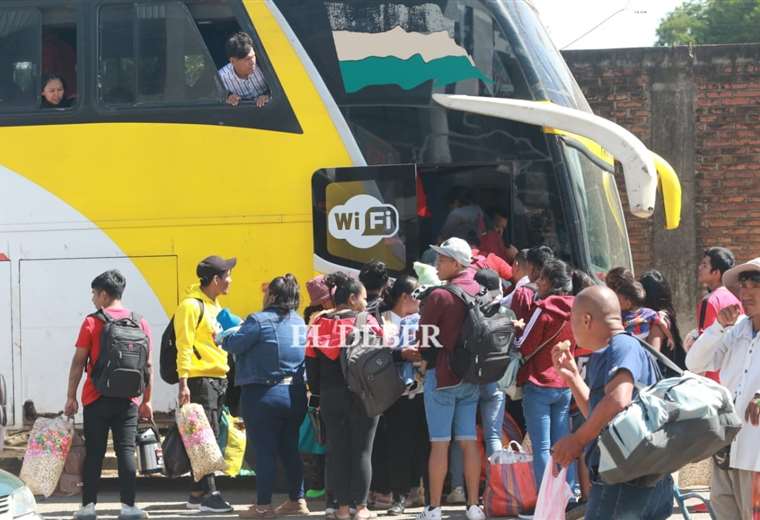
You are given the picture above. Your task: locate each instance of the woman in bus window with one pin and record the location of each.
(53, 92)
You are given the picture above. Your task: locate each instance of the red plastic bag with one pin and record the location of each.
(511, 487)
(554, 495)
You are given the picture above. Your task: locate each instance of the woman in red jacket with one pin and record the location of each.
(546, 397)
(350, 432)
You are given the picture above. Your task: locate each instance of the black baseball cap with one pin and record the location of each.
(489, 279)
(213, 265)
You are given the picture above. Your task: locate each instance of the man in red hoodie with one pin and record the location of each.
(450, 403)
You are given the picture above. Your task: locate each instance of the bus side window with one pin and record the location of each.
(152, 54)
(20, 57)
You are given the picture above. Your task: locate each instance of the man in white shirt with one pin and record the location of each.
(732, 345)
(241, 77)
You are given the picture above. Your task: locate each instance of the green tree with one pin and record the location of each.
(711, 21)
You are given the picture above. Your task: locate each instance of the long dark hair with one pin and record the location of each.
(344, 287)
(558, 274)
(659, 297)
(284, 295)
(403, 285)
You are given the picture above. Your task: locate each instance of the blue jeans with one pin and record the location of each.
(273, 417)
(547, 416)
(627, 502)
(492, 418)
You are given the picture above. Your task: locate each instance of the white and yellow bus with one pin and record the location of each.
(378, 109)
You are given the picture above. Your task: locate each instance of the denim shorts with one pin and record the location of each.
(450, 408)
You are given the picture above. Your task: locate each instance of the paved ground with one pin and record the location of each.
(164, 500)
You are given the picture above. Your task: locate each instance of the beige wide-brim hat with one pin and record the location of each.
(731, 277)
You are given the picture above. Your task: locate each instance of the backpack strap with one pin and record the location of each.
(101, 315)
(361, 320)
(469, 301)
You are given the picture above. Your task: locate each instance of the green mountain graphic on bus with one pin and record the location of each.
(407, 74)
(406, 59)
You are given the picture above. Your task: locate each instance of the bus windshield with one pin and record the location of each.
(600, 211)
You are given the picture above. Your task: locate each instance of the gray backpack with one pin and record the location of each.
(369, 369)
(674, 422)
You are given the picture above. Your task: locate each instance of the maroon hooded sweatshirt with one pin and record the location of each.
(551, 326)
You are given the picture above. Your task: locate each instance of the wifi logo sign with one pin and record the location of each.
(363, 221)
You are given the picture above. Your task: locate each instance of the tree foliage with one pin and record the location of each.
(711, 21)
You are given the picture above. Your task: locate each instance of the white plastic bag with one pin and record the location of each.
(200, 441)
(46, 452)
(554, 494)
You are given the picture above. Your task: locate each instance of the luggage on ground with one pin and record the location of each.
(46, 452)
(510, 486)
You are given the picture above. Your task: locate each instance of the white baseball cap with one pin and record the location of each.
(731, 277)
(455, 248)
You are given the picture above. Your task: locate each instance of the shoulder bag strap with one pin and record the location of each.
(702, 314)
(525, 360)
(660, 357)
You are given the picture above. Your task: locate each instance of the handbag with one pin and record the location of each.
(516, 362)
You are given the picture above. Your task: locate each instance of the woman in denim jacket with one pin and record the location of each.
(269, 354)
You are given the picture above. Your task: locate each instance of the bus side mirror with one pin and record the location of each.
(641, 177)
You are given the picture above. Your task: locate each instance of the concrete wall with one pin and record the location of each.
(700, 109)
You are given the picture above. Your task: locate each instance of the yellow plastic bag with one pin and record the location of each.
(234, 450)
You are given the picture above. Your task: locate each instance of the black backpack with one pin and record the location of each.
(121, 369)
(482, 352)
(369, 369)
(168, 360)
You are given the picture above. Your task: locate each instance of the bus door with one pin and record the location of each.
(365, 213)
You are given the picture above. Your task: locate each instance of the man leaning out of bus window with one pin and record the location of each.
(242, 77)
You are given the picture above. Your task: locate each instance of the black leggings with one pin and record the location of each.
(409, 446)
(350, 434)
(120, 417)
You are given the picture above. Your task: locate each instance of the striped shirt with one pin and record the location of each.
(250, 88)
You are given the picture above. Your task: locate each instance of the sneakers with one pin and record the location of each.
(86, 512)
(429, 514)
(397, 508)
(257, 512)
(214, 503)
(383, 501)
(416, 497)
(292, 508)
(194, 502)
(475, 513)
(456, 496)
(132, 513)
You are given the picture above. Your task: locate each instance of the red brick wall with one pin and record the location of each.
(618, 84)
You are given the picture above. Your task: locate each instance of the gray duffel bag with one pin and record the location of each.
(674, 422)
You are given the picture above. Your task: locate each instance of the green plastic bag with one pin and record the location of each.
(232, 442)
(307, 438)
